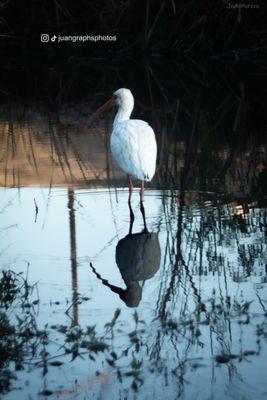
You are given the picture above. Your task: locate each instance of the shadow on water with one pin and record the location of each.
(203, 310)
(73, 257)
(138, 259)
(197, 279)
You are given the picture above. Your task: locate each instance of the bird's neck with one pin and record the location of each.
(123, 114)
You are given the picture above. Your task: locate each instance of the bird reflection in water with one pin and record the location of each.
(138, 259)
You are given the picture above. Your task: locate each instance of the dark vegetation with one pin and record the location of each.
(210, 28)
(197, 70)
(166, 51)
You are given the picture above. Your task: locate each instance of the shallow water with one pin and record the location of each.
(204, 308)
(93, 312)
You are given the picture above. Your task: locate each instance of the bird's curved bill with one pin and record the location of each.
(101, 109)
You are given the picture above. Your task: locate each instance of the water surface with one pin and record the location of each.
(91, 311)
(204, 329)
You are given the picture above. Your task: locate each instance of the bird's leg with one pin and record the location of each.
(142, 208)
(129, 203)
(131, 188)
(142, 191)
(131, 217)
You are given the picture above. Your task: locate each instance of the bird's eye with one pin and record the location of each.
(115, 96)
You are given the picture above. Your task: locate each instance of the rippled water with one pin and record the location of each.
(203, 307)
(92, 309)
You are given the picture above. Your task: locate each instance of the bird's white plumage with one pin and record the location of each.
(133, 146)
(133, 143)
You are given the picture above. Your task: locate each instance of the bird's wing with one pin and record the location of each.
(134, 147)
(147, 147)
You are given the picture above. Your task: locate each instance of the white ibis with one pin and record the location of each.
(133, 144)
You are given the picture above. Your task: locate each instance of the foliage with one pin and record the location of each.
(24, 344)
(168, 26)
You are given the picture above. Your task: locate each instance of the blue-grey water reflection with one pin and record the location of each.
(202, 310)
(95, 307)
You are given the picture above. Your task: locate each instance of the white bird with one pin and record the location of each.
(133, 144)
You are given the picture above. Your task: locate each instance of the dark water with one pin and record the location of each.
(98, 313)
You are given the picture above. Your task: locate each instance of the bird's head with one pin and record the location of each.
(122, 98)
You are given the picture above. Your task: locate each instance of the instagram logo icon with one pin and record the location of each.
(44, 38)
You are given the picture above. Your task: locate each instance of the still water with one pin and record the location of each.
(92, 311)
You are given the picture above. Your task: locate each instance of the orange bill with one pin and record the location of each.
(109, 104)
